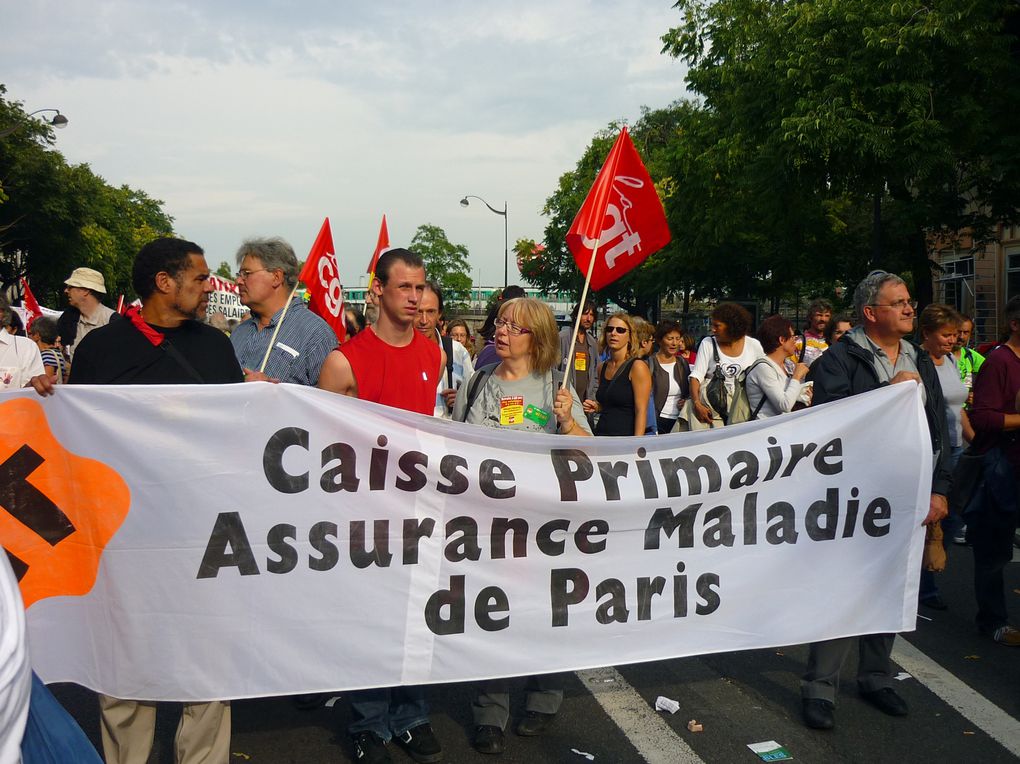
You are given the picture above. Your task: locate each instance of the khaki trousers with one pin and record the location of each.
(203, 736)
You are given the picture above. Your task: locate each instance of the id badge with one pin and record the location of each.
(511, 409)
(580, 361)
(536, 415)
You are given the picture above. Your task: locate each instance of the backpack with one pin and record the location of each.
(740, 407)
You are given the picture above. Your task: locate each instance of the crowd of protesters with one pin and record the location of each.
(522, 373)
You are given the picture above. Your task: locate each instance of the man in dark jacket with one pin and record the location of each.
(874, 354)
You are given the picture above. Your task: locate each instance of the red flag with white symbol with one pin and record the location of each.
(321, 276)
(622, 221)
(30, 304)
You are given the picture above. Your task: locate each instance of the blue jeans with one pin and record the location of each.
(388, 711)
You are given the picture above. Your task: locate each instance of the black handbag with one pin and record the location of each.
(716, 394)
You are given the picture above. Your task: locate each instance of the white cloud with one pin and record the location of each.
(262, 118)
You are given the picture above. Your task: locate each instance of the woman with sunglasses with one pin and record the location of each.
(625, 387)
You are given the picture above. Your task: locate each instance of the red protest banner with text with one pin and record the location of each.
(381, 245)
(622, 217)
(321, 276)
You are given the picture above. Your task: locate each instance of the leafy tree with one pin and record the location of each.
(446, 263)
(225, 271)
(844, 111)
(55, 217)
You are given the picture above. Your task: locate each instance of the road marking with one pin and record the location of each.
(999, 725)
(645, 729)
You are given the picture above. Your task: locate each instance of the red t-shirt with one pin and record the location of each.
(402, 377)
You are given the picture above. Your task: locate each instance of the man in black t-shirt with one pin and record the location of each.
(160, 343)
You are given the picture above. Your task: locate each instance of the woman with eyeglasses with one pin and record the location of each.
(625, 387)
(771, 391)
(458, 331)
(522, 391)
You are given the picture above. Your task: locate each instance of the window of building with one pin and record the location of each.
(957, 283)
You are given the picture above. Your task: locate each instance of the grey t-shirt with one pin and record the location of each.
(955, 393)
(520, 404)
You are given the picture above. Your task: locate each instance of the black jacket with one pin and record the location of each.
(847, 369)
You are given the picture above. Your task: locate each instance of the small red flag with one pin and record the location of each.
(622, 213)
(30, 304)
(380, 246)
(322, 277)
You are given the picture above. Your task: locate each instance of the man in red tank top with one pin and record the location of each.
(391, 363)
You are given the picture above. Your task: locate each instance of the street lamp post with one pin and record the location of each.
(506, 238)
(58, 120)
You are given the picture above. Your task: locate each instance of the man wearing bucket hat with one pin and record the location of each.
(85, 289)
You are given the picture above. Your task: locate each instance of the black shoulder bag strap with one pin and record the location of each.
(475, 386)
(448, 349)
(757, 409)
(181, 361)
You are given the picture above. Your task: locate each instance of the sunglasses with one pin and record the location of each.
(617, 329)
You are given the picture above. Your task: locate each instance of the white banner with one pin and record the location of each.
(194, 543)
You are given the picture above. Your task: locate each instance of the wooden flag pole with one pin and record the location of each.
(567, 365)
(276, 331)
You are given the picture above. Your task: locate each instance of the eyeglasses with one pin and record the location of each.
(617, 329)
(897, 305)
(512, 328)
(244, 273)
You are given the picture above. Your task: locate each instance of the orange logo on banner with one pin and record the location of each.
(57, 510)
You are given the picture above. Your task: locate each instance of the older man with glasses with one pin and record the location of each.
(873, 354)
(265, 282)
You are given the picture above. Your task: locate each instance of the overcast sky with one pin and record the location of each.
(263, 117)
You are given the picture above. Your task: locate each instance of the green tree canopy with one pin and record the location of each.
(446, 263)
(844, 110)
(55, 217)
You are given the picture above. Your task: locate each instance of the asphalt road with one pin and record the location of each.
(963, 692)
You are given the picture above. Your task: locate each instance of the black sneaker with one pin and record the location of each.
(533, 723)
(369, 748)
(488, 739)
(421, 744)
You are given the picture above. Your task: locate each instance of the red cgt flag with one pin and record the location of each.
(322, 278)
(380, 246)
(30, 304)
(622, 214)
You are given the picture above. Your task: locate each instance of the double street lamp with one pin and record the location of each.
(506, 240)
(58, 120)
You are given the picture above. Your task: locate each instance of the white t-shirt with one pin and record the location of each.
(15, 673)
(671, 407)
(731, 365)
(19, 361)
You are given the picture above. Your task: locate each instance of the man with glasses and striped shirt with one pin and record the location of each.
(268, 272)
